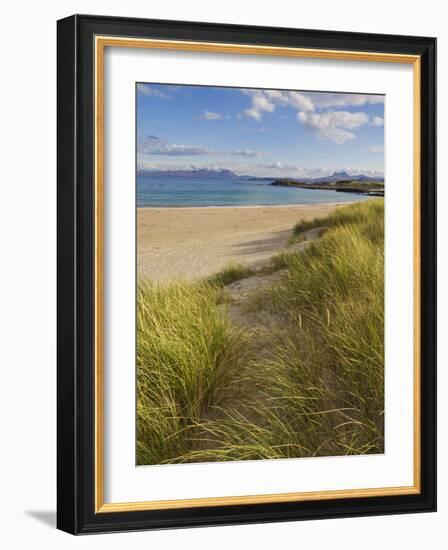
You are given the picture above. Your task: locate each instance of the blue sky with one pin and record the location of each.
(259, 132)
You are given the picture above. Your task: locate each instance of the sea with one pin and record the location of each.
(164, 191)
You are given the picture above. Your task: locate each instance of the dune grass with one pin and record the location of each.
(237, 271)
(318, 391)
(358, 213)
(231, 273)
(187, 352)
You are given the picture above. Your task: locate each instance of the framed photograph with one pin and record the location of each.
(246, 274)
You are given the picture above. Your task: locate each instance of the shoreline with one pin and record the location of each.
(195, 242)
(307, 204)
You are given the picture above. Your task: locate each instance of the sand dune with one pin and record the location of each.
(196, 242)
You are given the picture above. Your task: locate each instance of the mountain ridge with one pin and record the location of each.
(224, 173)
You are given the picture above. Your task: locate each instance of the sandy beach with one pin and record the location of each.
(196, 242)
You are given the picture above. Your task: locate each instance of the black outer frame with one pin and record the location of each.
(75, 295)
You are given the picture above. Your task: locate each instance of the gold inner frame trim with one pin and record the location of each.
(101, 42)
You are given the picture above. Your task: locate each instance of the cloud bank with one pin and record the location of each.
(153, 145)
(316, 111)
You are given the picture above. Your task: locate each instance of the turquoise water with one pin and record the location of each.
(175, 191)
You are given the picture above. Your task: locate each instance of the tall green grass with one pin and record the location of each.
(320, 391)
(187, 352)
(317, 389)
(358, 213)
(231, 273)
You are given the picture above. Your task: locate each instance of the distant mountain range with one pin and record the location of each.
(228, 174)
(343, 176)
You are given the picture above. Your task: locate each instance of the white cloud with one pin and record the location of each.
(314, 110)
(374, 149)
(266, 101)
(294, 99)
(279, 169)
(341, 119)
(335, 134)
(152, 145)
(324, 100)
(367, 172)
(376, 121)
(174, 150)
(333, 125)
(169, 166)
(246, 153)
(148, 90)
(253, 113)
(260, 104)
(210, 115)
(274, 165)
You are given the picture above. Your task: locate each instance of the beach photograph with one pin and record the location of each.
(260, 274)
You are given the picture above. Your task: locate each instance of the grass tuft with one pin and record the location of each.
(231, 273)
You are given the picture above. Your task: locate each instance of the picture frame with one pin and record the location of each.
(82, 43)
